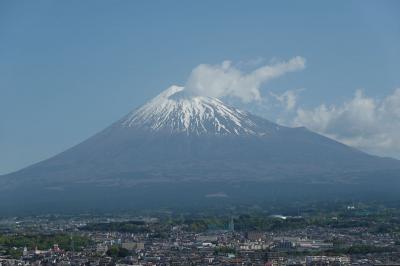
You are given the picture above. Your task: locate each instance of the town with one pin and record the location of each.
(349, 235)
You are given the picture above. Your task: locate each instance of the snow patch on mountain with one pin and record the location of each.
(178, 111)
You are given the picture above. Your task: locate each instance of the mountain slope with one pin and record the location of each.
(180, 138)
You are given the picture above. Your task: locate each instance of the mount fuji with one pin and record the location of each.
(181, 148)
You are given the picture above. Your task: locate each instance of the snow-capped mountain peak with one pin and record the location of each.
(176, 110)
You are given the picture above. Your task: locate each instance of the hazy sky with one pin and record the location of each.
(70, 68)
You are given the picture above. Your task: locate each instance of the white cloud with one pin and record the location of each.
(369, 124)
(288, 99)
(225, 80)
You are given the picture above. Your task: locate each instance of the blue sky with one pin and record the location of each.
(70, 68)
